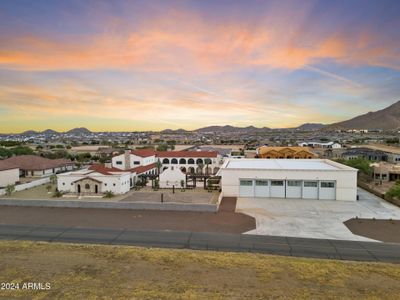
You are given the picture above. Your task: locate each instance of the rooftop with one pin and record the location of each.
(34, 162)
(286, 164)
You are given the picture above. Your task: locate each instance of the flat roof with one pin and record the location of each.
(286, 164)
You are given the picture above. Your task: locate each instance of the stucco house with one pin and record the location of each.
(9, 174)
(37, 166)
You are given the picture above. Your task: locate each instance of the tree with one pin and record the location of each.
(162, 147)
(394, 191)
(363, 165)
(10, 189)
(48, 187)
(53, 179)
(5, 153)
(21, 150)
(159, 165)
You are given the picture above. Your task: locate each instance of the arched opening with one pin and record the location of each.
(208, 170)
(208, 161)
(174, 161)
(199, 170)
(79, 188)
(191, 161)
(183, 169)
(96, 188)
(165, 161)
(199, 161)
(182, 161)
(191, 170)
(165, 168)
(87, 186)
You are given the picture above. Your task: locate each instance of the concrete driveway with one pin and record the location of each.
(314, 218)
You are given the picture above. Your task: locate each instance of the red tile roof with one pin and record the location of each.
(142, 169)
(36, 163)
(104, 170)
(187, 153)
(144, 152)
(6, 166)
(150, 152)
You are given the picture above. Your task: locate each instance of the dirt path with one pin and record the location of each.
(222, 221)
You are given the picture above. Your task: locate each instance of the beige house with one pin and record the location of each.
(9, 174)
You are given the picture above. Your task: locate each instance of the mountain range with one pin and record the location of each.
(384, 119)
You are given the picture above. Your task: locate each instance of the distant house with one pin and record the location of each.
(9, 174)
(284, 152)
(37, 166)
(365, 153)
(328, 145)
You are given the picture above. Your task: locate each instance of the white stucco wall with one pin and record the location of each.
(346, 180)
(117, 183)
(172, 177)
(9, 177)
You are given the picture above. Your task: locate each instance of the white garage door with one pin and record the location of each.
(277, 189)
(293, 189)
(262, 188)
(327, 190)
(310, 189)
(246, 188)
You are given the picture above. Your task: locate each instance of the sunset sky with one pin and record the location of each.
(150, 65)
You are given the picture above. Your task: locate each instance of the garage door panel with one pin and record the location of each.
(293, 189)
(327, 190)
(246, 188)
(277, 189)
(262, 188)
(310, 189)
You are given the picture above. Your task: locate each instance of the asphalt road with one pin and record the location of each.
(301, 247)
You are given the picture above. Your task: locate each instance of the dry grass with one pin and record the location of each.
(117, 272)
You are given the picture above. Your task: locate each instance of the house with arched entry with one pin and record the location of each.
(96, 180)
(189, 162)
(285, 152)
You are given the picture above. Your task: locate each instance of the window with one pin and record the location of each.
(136, 162)
(327, 184)
(246, 182)
(87, 186)
(262, 182)
(118, 162)
(63, 183)
(113, 184)
(277, 183)
(310, 184)
(294, 183)
(105, 184)
(174, 161)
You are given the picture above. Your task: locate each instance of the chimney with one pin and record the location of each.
(127, 156)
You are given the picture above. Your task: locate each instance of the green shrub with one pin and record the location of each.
(108, 194)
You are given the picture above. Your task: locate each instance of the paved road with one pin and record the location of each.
(317, 248)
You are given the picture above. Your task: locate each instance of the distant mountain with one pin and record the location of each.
(49, 131)
(229, 128)
(385, 119)
(29, 132)
(79, 131)
(310, 127)
(171, 131)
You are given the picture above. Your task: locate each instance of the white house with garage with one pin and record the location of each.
(288, 178)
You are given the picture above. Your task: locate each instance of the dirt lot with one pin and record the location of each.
(198, 195)
(118, 272)
(381, 230)
(223, 221)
